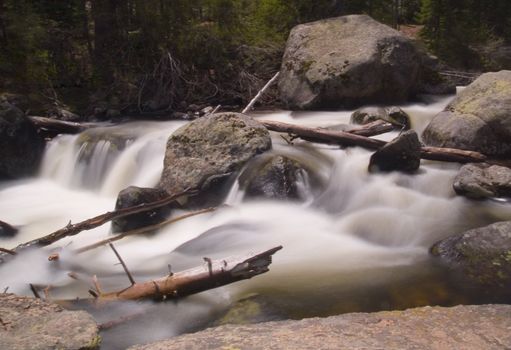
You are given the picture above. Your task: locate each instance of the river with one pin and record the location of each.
(360, 243)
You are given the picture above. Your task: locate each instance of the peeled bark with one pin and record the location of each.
(211, 275)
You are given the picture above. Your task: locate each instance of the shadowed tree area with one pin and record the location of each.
(150, 55)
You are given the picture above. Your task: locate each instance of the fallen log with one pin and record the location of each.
(73, 229)
(341, 138)
(211, 275)
(56, 126)
(347, 139)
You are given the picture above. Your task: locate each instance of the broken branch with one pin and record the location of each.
(180, 284)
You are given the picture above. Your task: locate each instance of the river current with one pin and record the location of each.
(360, 243)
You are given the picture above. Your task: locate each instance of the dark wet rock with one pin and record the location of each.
(483, 255)
(479, 181)
(401, 154)
(347, 61)
(7, 231)
(204, 153)
(275, 178)
(20, 101)
(432, 328)
(21, 147)
(27, 323)
(393, 115)
(478, 119)
(133, 196)
(430, 79)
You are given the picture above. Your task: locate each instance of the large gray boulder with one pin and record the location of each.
(480, 181)
(483, 255)
(21, 148)
(432, 328)
(478, 119)
(205, 152)
(347, 61)
(27, 323)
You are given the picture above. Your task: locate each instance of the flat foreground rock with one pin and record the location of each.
(461, 327)
(27, 323)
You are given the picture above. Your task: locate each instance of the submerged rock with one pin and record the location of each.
(478, 119)
(7, 231)
(21, 147)
(205, 152)
(483, 255)
(401, 154)
(434, 328)
(479, 181)
(394, 115)
(347, 61)
(275, 178)
(27, 323)
(133, 196)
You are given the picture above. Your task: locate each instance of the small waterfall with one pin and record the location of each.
(355, 245)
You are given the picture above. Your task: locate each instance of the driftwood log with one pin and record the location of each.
(89, 224)
(55, 126)
(213, 274)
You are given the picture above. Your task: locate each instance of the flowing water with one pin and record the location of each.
(359, 243)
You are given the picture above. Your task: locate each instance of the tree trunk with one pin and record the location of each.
(211, 275)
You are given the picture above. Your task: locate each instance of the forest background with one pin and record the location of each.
(138, 56)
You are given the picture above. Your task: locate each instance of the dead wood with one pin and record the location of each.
(56, 126)
(346, 138)
(211, 275)
(137, 231)
(261, 93)
(73, 229)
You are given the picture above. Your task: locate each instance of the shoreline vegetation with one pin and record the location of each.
(103, 59)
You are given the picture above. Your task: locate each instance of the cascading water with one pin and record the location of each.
(359, 244)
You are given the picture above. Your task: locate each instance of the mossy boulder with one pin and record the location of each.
(28, 323)
(204, 153)
(132, 196)
(21, 147)
(483, 255)
(347, 61)
(401, 154)
(480, 181)
(478, 119)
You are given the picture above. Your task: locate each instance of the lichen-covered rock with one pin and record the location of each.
(132, 196)
(205, 152)
(478, 119)
(27, 323)
(482, 254)
(479, 181)
(347, 61)
(276, 178)
(432, 328)
(394, 115)
(21, 147)
(401, 154)
(7, 231)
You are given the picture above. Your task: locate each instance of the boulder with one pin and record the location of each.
(27, 323)
(434, 328)
(483, 255)
(7, 231)
(275, 178)
(478, 119)
(401, 154)
(133, 196)
(205, 152)
(21, 147)
(347, 61)
(480, 181)
(394, 115)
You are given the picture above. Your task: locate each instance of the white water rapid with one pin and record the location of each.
(360, 244)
